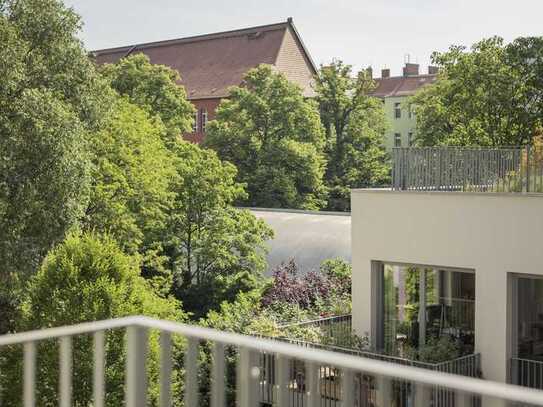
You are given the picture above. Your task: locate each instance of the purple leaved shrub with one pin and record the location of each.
(290, 286)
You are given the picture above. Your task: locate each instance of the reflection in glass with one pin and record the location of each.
(448, 299)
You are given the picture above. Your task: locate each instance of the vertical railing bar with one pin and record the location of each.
(65, 367)
(29, 386)
(247, 376)
(282, 380)
(218, 375)
(191, 373)
(99, 369)
(136, 371)
(312, 384)
(347, 385)
(165, 378)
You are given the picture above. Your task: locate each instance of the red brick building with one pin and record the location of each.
(209, 64)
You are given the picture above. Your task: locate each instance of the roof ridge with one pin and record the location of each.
(194, 38)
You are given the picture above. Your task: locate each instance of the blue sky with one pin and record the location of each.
(361, 32)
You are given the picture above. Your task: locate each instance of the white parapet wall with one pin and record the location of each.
(497, 235)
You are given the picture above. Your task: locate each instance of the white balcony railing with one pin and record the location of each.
(248, 368)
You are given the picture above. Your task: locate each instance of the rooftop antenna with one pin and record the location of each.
(407, 58)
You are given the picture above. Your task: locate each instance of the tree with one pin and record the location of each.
(131, 179)
(51, 98)
(354, 124)
(487, 96)
(273, 135)
(86, 278)
(185, 219)
(156, 88)
(214, 250)
(525, 55)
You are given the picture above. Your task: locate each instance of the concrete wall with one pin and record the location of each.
(494, 234)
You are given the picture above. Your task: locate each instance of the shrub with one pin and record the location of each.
(86, 278)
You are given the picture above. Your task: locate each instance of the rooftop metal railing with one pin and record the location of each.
(248, 368)
(471, 169)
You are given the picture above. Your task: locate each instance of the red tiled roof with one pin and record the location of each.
(401, 85)
(209, 64)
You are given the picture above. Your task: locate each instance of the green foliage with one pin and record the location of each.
(320, 294)
(355, 125)
(273, 135)
(154, 88)
(174, 206)
(131, 176)
(487, 96)
(50, 99)
(86, 278)
(436, 350)
(210, 244)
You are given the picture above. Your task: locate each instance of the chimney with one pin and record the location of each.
(433, 70)
(411, 69)
(369, 71)
(385, 73)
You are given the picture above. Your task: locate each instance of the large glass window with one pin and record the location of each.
(422, 303)
(529, 329)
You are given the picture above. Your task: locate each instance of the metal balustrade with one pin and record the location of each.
(402, 391)
(138, 329)
(336, 330)
(527, 372)
(468, 169)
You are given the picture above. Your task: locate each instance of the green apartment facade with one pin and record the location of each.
(394, 92)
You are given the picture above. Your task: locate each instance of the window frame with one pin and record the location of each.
(397, 110)
(203, 119)
(397, 139)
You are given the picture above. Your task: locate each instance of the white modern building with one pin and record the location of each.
(453, 258)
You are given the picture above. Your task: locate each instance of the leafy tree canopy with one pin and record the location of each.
(355, 125)
(155, 88)
(273, 135)
(131, 178)
(50, 99)
(489, 95)
(214, 249)
(86, 278)
(172, 201)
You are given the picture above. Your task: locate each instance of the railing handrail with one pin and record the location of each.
(369, 366)
(376, 355)
(528, 360)
(314, 321)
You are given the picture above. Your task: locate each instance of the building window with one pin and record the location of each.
(422, 304)
(410, 112)
(204, 119)
(195, 122)
(410, 138)
(397, 140)
(397, 110)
